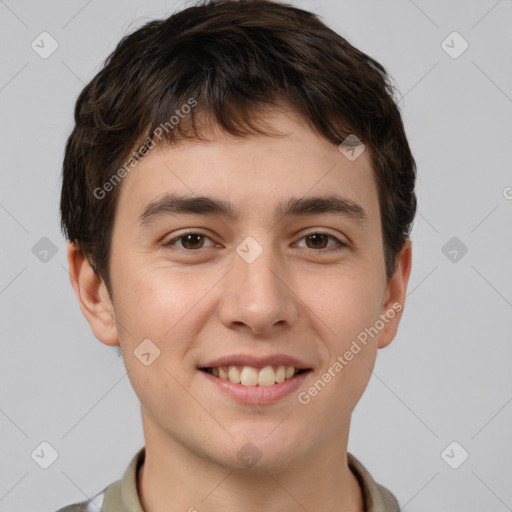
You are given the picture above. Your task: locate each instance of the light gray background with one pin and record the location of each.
(448, 374)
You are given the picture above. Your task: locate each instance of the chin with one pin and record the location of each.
(260, 452)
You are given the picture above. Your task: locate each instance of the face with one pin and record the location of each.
(256, 276)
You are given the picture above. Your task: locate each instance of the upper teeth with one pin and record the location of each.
(249, 376)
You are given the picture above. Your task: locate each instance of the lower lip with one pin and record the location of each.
(257, 395)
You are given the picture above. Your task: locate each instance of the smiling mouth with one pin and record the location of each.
(251, 376)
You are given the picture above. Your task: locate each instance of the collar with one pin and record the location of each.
(122, 495)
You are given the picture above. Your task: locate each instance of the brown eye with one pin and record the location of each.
(189, 241)
(320, 241)
(193, 241)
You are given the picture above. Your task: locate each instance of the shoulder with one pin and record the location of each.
(92, 505)
(389, 501)
(76, 507)
(121, 494)
(377, 498)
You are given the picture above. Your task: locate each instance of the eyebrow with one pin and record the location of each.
(174, 204)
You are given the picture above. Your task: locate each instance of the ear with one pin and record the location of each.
(92, 295)
(394, 300)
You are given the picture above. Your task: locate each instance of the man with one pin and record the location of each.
(238, 193)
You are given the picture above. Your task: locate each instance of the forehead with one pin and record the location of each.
(250, 172)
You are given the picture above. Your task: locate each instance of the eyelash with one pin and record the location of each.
(341, 245)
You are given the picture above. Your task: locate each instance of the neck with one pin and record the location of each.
(174, 478)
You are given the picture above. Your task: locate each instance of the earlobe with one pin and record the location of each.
(92, 296)
(395, 295)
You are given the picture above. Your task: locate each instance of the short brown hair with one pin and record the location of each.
(231, 58)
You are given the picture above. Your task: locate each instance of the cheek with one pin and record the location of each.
(350, 311)
(350, 307)
(347, 302)
(154, 313)
(156, 299)
(354, 349)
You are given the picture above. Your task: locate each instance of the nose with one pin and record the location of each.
(258, 297)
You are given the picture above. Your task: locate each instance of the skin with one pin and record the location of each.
(201, 300)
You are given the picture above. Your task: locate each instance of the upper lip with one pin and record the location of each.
(257, 362)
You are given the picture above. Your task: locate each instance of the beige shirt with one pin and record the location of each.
(121, 496)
